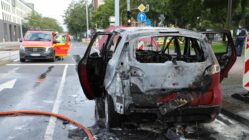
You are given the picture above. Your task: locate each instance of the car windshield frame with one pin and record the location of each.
(38, 36)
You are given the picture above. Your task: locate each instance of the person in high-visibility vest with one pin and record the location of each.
(62, 38)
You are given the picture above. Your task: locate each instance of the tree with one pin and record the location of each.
(101, 16)
(200, 14)
(37, 21)
(75, 18)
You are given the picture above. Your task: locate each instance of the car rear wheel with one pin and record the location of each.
(22, 60)
(112, 118)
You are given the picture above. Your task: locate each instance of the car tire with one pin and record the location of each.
(100, 111)
(112, 118)
(53, 58)
(22, 60)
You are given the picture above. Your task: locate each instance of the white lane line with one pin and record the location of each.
(40, 64)
(8, 84)
(52, 121)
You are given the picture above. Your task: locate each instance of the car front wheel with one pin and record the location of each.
(53, 58)
(22, 60)
(100, 111)
(112, 118)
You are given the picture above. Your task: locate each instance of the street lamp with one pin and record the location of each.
(87, 25)
(116, 5)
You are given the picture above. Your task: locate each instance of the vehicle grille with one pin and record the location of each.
(35, 50)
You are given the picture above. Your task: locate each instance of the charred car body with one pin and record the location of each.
(175, 81)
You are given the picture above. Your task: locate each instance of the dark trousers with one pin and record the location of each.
(239, 45)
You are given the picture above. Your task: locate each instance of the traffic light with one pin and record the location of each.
(129, 18)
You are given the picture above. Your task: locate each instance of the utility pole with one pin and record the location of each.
(229, 13)
(87, 25)
(116, 5)
(128, 12)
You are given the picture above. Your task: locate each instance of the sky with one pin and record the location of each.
(52, 8)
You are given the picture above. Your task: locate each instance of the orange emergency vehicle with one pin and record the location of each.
(62, 45)
(44, 45)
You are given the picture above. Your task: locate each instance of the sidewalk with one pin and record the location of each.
(9, 45)
(9, 51)
(232, 107)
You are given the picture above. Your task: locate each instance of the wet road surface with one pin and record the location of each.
(54, 87)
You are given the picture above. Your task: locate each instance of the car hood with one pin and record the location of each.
(36, 43)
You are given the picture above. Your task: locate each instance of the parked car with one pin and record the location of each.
(179, 84)
(43, 45)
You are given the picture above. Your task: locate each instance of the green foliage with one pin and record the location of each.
(200, 14)
(75, 18)
(37, 21)
(101, 16)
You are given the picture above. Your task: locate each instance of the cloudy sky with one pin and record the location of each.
(51, 8)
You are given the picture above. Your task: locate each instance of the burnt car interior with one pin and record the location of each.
(168, 48)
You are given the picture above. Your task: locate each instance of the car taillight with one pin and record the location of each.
(212, 69)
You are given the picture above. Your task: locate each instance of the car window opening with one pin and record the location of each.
(160, 49)
(105, 45)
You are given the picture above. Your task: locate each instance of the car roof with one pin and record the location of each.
(139, 30)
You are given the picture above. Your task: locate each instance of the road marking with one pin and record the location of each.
(8, 84)
(41, 64)
(52, 121)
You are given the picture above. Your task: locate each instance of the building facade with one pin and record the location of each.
(12, 14)
(97, 3)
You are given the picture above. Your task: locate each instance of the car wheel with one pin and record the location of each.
(112, 118)
(100, 111)
(53, 58)
(22, 60)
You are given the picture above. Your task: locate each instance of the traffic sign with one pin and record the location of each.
(147, 22)
(141, 17)
(141, 7)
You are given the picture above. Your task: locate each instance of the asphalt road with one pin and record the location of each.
(44, 86)
(54, 87)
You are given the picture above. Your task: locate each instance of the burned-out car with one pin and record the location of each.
(132, 71)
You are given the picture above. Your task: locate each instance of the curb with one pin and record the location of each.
(236, 117)
(12, 49)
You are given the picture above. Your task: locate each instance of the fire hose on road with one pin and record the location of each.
(61, 117)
